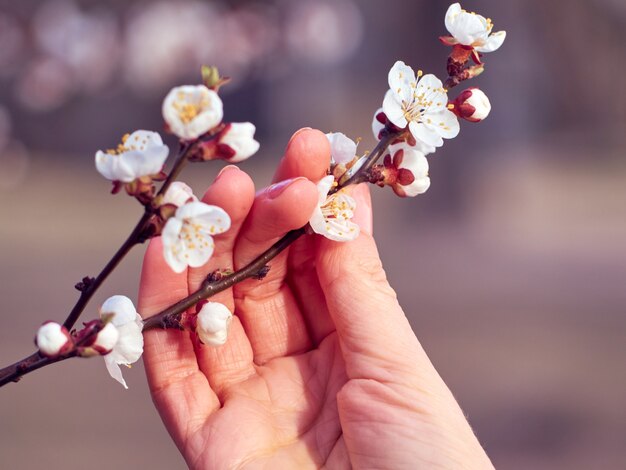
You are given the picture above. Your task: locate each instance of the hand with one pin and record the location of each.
(321, 367)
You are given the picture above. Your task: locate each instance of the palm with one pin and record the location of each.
(286, 417)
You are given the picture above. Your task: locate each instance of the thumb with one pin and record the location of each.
(375, 336)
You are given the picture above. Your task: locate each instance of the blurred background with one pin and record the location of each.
(512, 267)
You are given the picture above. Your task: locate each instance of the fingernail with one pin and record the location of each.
(226, 169)
(277, 189)
(298, 132)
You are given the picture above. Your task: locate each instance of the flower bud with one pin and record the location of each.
(472, 105)
(178, 194)
(53, 339)
(236, 142)
(106, 339)
(405, 169)
(212, 323)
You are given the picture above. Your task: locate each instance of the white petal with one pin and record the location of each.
(453, 11)
(342, 148)
(122, 307)
(323, 187)
(431, 88)
(240, 137)
(393, 110)
(107, 337)
(423, 133)
(424, 148)
(417, 187)
(468, 28)
(493, 42)
(446, 123)
(113, 168)
(197, 209)
(341, 231)
(129, 346)
(402, 81)
(377, 126)
(199, 253)
(172, 245)
(114, 370)
(178, 194)
(146, 162)
(317, 222)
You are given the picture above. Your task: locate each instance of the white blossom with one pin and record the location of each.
(212, 323)
(52, 339)
(238, 137)
(331, 217)
(192, 110)
(141, 153)
(410, 170)
(420, 103)
(378, 126)
(129, 345)
(178, 194)
(188, 235)
(471, 29)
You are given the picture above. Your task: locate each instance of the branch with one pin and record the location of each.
(170, 317)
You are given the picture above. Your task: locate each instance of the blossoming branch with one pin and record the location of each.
(416, 116)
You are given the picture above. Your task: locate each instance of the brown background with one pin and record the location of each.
(512, 268)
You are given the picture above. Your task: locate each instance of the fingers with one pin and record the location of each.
(267, 309)
(307, 154)
(179, 389)
(233, 191)
(375, 335)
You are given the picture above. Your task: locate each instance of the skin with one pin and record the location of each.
(321, 367)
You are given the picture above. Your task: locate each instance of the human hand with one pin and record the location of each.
(321, 367)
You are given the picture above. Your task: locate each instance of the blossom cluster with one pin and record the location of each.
(415, 118)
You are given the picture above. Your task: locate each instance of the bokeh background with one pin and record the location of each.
(512, 267)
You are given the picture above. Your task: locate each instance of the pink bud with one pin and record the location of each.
(53, 339)
(106, 339)
(472, 105)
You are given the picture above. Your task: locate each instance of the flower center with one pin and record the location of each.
(188, 110)
(124, 146)
(337, 208)
(194, 236)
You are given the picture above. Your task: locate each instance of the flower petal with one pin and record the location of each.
(493, 42)
(453, 11)
(113, 168)
(121, 307)
(129, 346)
(402, 81)
(426, 134)
(342, 148)
(447, 124)
(171, 244)
(114, 370)
(393, 110)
